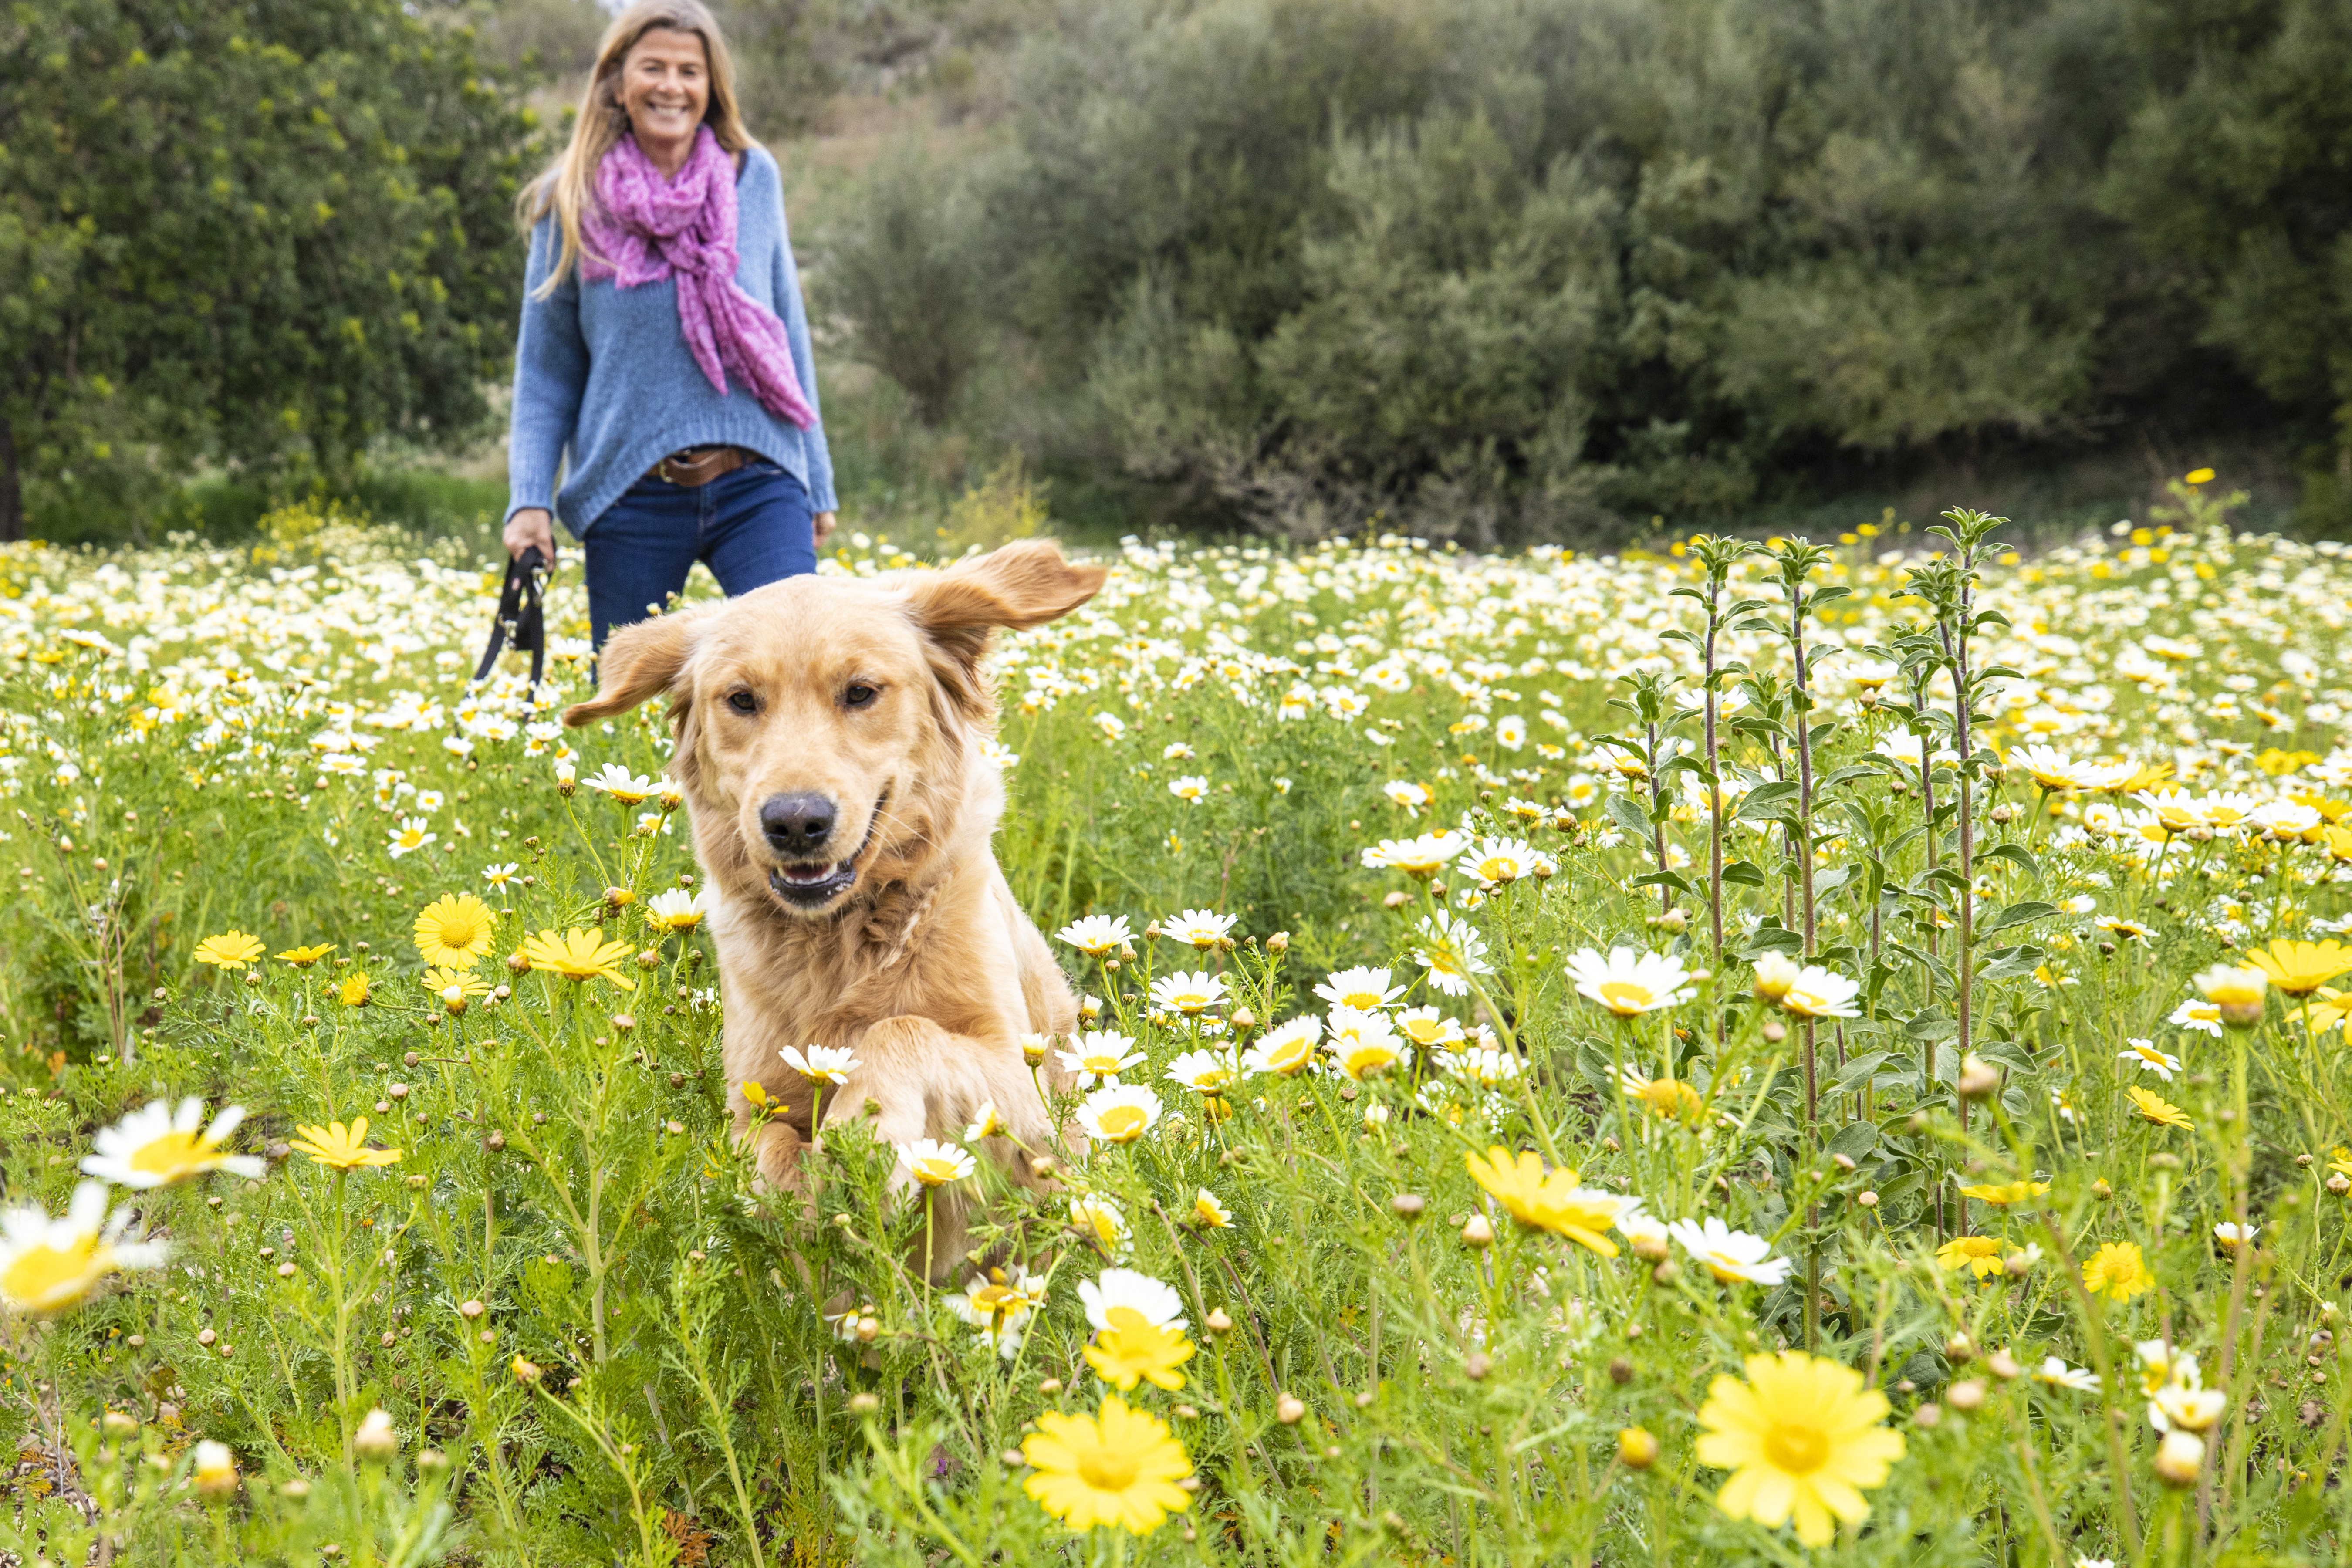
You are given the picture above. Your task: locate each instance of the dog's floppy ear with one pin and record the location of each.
(1019, 585)
(641, 661)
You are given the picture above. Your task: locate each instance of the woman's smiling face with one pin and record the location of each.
(665, 87)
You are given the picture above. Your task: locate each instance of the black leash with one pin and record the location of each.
(520, 615)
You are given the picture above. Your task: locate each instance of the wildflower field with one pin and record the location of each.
(1693, 1056)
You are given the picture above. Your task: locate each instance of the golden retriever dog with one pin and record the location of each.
(829, 735)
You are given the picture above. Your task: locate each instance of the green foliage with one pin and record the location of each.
(262, 233)
(1512, 271)
(594, 1335)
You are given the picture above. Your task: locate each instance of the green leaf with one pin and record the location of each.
(1773, 938)
(1857, 1072)
(1743, 874)
(1855, 1140)
(1662, 879)
(2022, 914)
(2008, 963)
(1764, 802)
(1629, 816)
(2018, 853)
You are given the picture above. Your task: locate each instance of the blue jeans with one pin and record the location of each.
(751, 527)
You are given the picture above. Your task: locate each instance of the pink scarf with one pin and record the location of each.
(644, 229)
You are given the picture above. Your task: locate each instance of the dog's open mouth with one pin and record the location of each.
(812, 884)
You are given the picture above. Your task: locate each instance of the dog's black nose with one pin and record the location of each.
(796, 824)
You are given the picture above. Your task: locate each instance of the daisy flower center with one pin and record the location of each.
(1624, 996)
(1800, 1450)
(44, 1271)
(1108, 1469)
(171, 1152)
(1122, 1122)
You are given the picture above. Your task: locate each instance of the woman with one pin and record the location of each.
(664, 346)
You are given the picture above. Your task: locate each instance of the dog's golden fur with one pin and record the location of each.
(923, 965)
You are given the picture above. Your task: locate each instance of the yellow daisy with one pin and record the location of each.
(1801, 1436)
(339, 1150)
(1549, 1202)
(454, 931)
(230, 950)
(1118, 1467)
(2300, 968)
(2154, 1107)
(579, 955)
(2117, 1272)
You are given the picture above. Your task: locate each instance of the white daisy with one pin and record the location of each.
(675, 910)
(1099, 1221)
(998, 1305)
(1189, 995)
(1494, 862)
(1204, 1072)
(1820, 993)
(1101, 1055)
(1153, 1300)
(1286, 1050)
(935, 1163)
(820, 1064)
(2058, 1374)
(1203, 929)
(1362, 1044)
(49, 1264)
(1118, 1113)
(1365, 990)
(2195, 1014)
(1096, 936)
(1629, 984)
(1731, 1254)
(1452, 950)
(1420, 858)
(153, 1147)
(616, 780)
(2149, 1059)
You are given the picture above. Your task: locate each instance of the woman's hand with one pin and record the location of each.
(528, 526)
(821, 526)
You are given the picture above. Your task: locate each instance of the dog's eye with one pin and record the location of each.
(859, 694)
(742, 702)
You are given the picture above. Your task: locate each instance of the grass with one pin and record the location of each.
(1440, 834)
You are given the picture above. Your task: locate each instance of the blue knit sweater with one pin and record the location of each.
(604, 377)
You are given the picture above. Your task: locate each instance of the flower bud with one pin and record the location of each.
(1217, 1322)
(1278, 942)
(1636, 1448)
(2004, 1366)
(215, 1472)
(1478, 1231)
(375, 1439)
(1966, 1394)
(1930, 1416)
(1289, 1410)
(1477, 1366)
(2179, 1457)
(1979, 1079)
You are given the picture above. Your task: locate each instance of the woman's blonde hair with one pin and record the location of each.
(567, 184)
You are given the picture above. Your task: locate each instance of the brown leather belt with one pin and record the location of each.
(698, 466)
